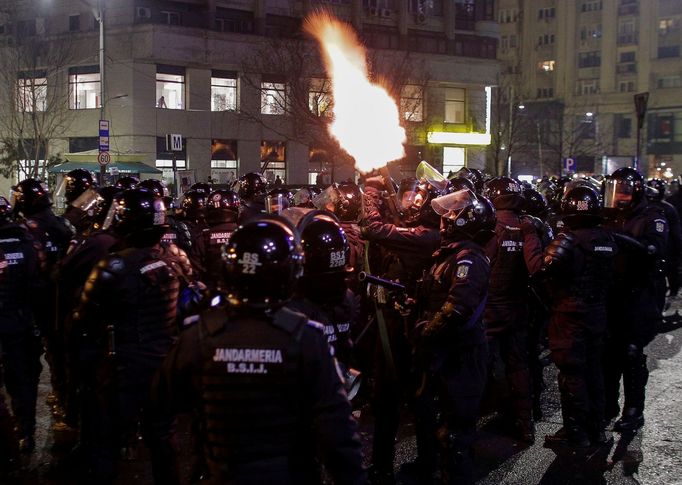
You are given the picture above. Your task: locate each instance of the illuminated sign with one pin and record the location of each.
(447, 138)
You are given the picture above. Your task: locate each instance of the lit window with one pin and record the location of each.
(31, 93)
(273, 160)
(412, 103)
(84, 88)
(453, 159)
(224, 164)
(546, 66)
(319, 97)
(170, 87)
(223, 92)
(454, 105)
(273, 98)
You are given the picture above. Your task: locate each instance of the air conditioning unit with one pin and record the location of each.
(143, 12)
(420, 18)
(385, 12)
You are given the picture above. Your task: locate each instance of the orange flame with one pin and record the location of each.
(366, 120)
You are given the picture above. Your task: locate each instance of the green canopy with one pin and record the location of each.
(124, 162)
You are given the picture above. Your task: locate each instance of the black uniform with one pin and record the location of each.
(128, 318)
(19, 339)
(515, 253)
(457, 358)
(178, 233)
(213, 239)
(269, 396)
(634, 307)
(54, 234)
(578, 291)
(673, 246)
(407, 254)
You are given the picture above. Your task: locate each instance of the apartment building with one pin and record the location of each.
(206, 69)
(576, 66)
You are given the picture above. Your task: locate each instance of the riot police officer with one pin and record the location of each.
(251, 188)
(222, 212)
(579, 268)
(404, 253)
(127, 315)
(127, 182)
(178, 232)
(261, 376)
(452, 350)
(321, 293)
(674, 244)
(78, 189)
(634, 307)
(515, 253)
(33, 202)
(193, 214)
(24, 262)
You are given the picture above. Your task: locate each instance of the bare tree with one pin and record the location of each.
(34, 100)
(291, 80)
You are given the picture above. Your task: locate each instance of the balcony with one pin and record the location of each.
(626, 68)
(629, 38)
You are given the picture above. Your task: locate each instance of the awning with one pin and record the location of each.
(124, 162)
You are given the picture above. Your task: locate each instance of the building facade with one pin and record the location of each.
(576, 66)
(207, 70)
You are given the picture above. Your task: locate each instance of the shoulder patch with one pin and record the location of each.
(660, 225)
(462, 271)
(405, 229)
(116, 265)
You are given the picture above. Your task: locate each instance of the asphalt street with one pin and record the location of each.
(651, 457)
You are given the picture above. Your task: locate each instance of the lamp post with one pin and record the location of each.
(102, 91)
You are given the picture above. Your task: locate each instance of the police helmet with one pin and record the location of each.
(465, 215)
(251, 185)
(277, 200)
(137, 214)
(324, 244)
(263, 260)
(460, 183)
(623, 189)
(535, 203)
(580, 206)
(222, 207)
(415, 199)
(30, 196)
(504, 193)
(201, 187)
(104, 201)
(127, 182)
(76, 182)
(193, 205)
(345, 200)
(156, 186)
(659, 186)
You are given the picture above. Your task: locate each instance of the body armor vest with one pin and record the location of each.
(214, 240)
(251, 390)
(21, 268)
(508, 272)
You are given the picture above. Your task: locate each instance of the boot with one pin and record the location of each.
(631, 420)
(572, 437)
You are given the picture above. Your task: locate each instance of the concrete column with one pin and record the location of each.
(259, 14)
(609, 47)
(297, 163)
(357, 14)
(449, 15)
(249, 156)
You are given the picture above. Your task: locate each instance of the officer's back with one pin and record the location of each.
(261, 377)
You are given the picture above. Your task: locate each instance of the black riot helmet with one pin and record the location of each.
(504, 193)
(156, 186)
(137, 216)
(5, 210)
(345, 200)
(104, 201)
(263, 260)
(659, 186)
(193, 205)
(623, 189)
(30, 196)
(222, 207)
(465, 215)
(76, 182)
(201, 187)
(277, 200)
(251, 185)
(127, 182)
(472, 174)
(580, 207)
(415, 199)
(324, 243)
(460, 183)
(550, 191)
(535, 203)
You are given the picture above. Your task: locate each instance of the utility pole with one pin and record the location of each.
(100, 13)
(537, 125)
(511, 129)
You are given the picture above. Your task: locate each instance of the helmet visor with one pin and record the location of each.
(111, 213)
(453, 203)
(327, 199)
(87, 200)
(275, 204)
(303, 197)
(429, 174)
(60, 193)
(618, 194)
